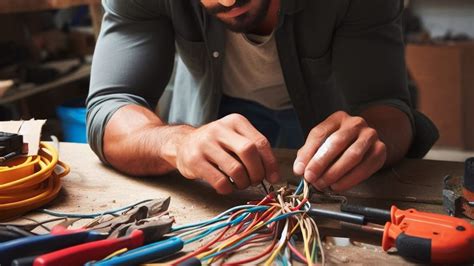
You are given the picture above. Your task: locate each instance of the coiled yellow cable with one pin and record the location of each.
(27, 183)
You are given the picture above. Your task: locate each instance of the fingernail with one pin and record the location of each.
(310, 176)
(298, 168)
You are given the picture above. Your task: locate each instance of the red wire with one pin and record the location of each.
(297, 253)
(206, 247)
(263, 254)
(268, 198)
(299, 205)
(201, 249)
(239, 227)
(256, 218)
(245, 233)
(264, 216)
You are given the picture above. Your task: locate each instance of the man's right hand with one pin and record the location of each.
(221, 151)
(226, 151)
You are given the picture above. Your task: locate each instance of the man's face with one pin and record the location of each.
(238, 15)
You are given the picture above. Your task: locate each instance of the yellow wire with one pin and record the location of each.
(116, 253)
(305, 241)
(229, 242)
(237, 238)
(27, 183)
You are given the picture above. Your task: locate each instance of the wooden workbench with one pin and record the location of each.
(92, 187)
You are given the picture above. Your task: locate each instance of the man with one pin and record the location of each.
(251, 73)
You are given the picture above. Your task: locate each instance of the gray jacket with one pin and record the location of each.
(334, 54)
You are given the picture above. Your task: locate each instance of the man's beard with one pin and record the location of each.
(245, 22)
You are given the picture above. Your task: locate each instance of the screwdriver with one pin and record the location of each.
(98, 250)
(35, 245)
(420, 236)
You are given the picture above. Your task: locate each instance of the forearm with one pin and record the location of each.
(136, 142)
(394, 129)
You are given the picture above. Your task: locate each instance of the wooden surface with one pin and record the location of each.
(15, 6)
(91, 187)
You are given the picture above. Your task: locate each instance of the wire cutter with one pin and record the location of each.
(40, 244)
(129, 237)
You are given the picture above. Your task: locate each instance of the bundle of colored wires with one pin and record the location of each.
(270, 226)
(29, 182)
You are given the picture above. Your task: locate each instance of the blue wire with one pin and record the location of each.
(92, 215)
(202, 224)
(282, 260)
(215, 219)
(215, 228)
(299, 188)
(237, 220)
(278, 218)
(230, 248)
(281, 217)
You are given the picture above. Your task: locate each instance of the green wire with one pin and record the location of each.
(314, 253)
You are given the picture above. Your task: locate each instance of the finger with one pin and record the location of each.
(267, 158)
(315, 139)
(229, 166)
(374, 160)
(349, 159)
(328, 153)
(215, 178)
(246, 152)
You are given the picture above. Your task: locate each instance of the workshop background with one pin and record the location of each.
(46, 49)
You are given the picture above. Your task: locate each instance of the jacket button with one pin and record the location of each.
(215, 54)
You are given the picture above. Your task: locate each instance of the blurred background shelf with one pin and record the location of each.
(26, 90)
(14, 6)
(19, 6)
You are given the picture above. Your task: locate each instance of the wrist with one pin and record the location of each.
(172, 138)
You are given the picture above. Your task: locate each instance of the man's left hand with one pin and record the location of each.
(340, 152)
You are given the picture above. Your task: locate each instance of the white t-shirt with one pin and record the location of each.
(252, 70)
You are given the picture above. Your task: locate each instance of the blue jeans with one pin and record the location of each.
(280, 127)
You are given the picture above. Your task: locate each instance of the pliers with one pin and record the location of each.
(130, 237)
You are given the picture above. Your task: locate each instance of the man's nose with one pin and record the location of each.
(227, 3)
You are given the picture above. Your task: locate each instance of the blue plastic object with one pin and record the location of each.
(73, 121)
(145, 254)
(35, 245)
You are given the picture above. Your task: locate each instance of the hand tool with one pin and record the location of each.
(130, 236)
(144, 210)
(468, 188)
(458, 192)
(146, 253)
(340, 216)
(111, 228)
(11, 145)
(11, 231)
(421, 236)
(40, 244)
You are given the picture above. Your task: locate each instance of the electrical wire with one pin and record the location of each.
(27, 183)
(91, 215)
(276, 219)
(271, 223)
